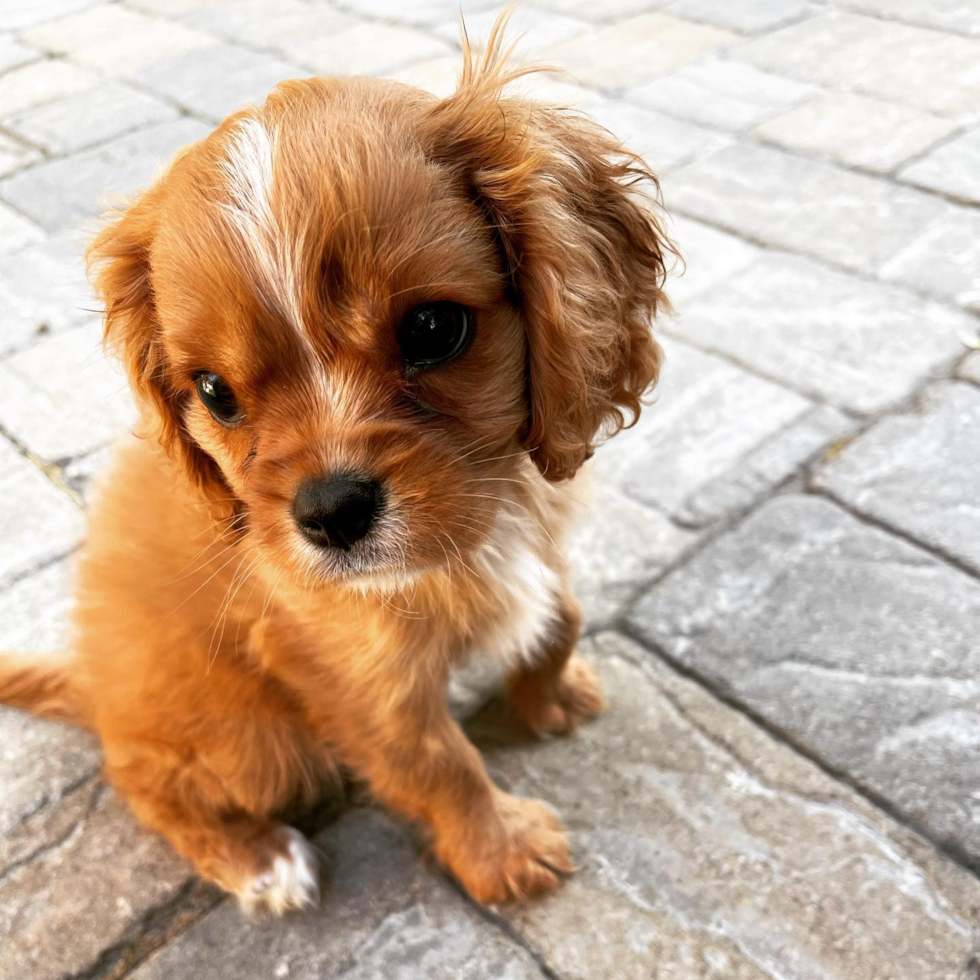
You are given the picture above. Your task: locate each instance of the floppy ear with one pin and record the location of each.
(586, 253)
(119, 264)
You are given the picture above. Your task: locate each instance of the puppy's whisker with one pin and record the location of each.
(241, 619)
(201, 586)
(474, 524)
(269, 595)
(449, 565)
(496, 479)
(513, 503)
(490, 459)
(230, 520)
(204, 564)
(476, 449)
(227, 604)
(220, 607)
(459, 555)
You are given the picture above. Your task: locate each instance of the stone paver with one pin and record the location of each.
(746, 16)
(663, 141)
(543, 28)
(169, 8)
(611, 10)
(39, 82)
(16, 231)
(37, 521)
(969, 369)
(436, 75)
(65, 193)
(803, 205)
(933, 71)
(91, 116)
(15, 155)
(107, 873)
(638, 49)
(768, 465)
(42, 289)
(951, 169)
(365, 49)
(63, 397)
(818, 163)
(13, 53)
(710, 256)
(113, 40)
(423, 13)
(883, 687)
(382, 915)
(95, 25)
(857, 130)
(708, 850)
(943, 258)
(710, 424)
(618, 545)
(859, 345)
(259, 24)
(42, 763)
(20, 14)
(83, 472)
(228, 78)
(34, 611)
(881, 473)
(953, 15)
(725, 94)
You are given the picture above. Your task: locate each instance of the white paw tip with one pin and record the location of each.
(291, 883)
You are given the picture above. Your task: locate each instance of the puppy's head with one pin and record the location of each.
(357, 312)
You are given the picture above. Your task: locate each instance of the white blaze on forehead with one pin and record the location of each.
(269, 249)
(346, 396)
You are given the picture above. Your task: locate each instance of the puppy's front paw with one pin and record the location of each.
(520, 851)
(290, 879)
(558, 706)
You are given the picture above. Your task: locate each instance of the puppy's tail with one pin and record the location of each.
(40, 684)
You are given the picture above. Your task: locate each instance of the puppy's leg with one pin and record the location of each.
(267, 865)
(557, 691)
(418, 761)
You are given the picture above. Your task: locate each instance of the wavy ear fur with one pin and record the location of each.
(586, 252)
(119, 264)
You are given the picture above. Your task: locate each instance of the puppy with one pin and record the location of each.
(373, 334)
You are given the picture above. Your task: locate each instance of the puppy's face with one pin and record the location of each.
(339, 321)
(355, 313)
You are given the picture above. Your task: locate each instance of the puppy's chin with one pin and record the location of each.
(372, 565)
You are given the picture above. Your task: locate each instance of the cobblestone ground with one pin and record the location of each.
(781, 568)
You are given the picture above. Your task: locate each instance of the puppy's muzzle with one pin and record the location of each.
(337, 511)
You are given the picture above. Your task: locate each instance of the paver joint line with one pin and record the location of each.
(792, 742)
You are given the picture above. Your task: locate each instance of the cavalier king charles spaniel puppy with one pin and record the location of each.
(373, 334)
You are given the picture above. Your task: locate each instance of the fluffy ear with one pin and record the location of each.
(586, 251)
(119, 264)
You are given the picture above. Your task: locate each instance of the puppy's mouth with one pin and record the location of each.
(378, 559)
(363, 558)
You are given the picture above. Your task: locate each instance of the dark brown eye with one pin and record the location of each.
(434, 333)
(218, 398)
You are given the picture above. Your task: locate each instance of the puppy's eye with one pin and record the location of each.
(218, 398)
(434, 333)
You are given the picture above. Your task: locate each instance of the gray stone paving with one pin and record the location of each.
(881, 473)
(779, 566)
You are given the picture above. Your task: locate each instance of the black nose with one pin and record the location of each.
(335, 511)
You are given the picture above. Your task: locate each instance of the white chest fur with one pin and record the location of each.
(525, 589)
